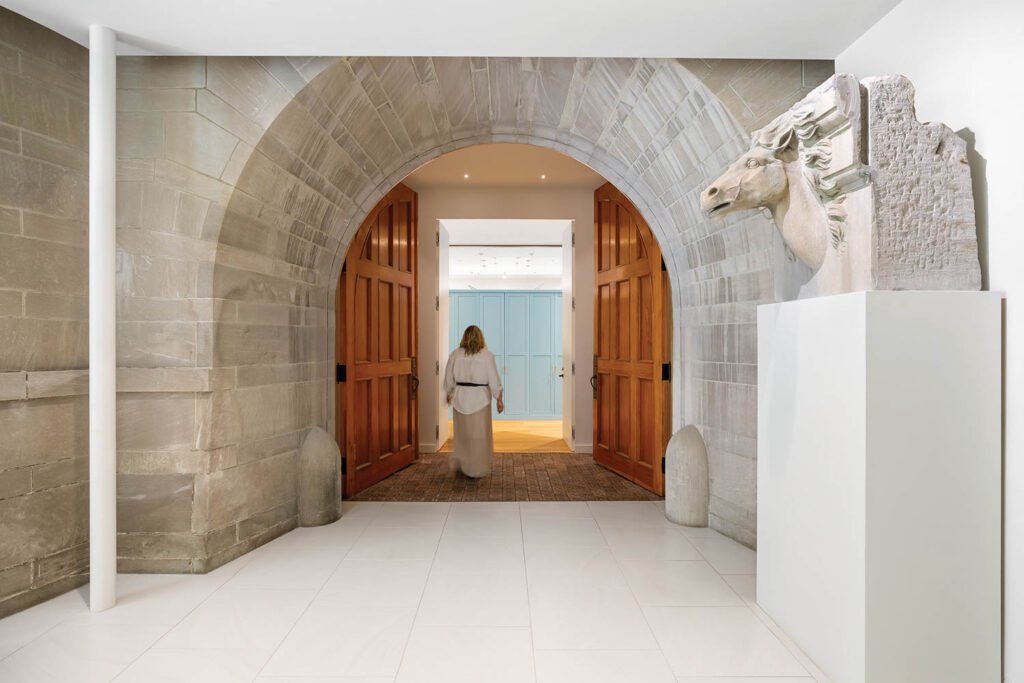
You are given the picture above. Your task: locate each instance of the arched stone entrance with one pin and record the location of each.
(305, 148)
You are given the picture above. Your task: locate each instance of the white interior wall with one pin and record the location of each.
(576, 204)
(965, 61)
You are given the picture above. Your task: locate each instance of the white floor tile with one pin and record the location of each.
(628, 514)
(726, 555)
(83, 653)
(650, 543)
(597, 623)
(719, 641)
(657, 583)
(195, 666)
(459, 554)
(411, 515)
(484, 519)
(300, 559)
(566, 558)
(22, 628)
(467, 655)
(387, 583)
(360, 511)
(325, 679)
(744, 584)
(155, 598)
(475, 600)
(548, 509)
(334, 638)
(561, 531)
(245, 617)
(635, 666)
(396, 543)
(743, 679)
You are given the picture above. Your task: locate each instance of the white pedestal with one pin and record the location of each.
(878, 476)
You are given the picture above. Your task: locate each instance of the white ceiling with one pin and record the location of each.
(504, 231)
(776, 29)
(504, 165)
(517, 262)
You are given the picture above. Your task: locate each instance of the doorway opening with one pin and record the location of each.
(499, 236)
(512, 278)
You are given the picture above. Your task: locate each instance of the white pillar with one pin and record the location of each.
(102, 322)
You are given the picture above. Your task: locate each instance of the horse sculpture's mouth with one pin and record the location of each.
(719, 207)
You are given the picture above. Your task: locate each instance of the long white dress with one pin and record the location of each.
(473, 453)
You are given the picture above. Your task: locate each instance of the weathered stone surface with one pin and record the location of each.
(61, 473)
(15, 483)
(193, 141)
(156, 421)
(13, 386)
(40, 524)
(319, 478)
(161, 72)
(240, 492)
(58, 383)
(686, 478)
(25, 443)
(154, 503)
(74, 560)
(156, 100)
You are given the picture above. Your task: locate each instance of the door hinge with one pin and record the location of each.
(663, 264)
(437, 239)
(666, 372)
(574, 239)
(572, 368)
(437, 302)
(574, 432)
(437, 432)
(340, 374)
(437, 368)
(344, 465)
(663, 464)
(574, 303)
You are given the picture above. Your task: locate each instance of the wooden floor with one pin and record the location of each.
(523, 436)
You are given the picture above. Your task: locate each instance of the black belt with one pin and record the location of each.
(470, 384)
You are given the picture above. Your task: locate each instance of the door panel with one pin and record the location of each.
(377, 418)
(632, 339)
(523, 331)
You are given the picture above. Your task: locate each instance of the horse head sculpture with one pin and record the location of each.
(782, 172)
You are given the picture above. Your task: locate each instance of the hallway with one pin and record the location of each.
(548, 592)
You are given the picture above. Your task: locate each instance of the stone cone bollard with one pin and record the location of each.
(686, 478)
(319, 473)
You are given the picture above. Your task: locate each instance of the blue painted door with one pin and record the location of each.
(523, 330)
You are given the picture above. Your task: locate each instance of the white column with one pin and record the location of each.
(102, 322)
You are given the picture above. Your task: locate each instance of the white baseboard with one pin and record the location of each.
(584, 447)
(431, 447)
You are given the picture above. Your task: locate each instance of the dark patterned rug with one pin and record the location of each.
(516, 476)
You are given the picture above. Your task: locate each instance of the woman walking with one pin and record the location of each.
(470, 381)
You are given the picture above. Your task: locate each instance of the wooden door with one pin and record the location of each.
(377, 368)
(631, 375)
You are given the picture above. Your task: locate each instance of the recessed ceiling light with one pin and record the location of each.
(466, 176)
(543, 177)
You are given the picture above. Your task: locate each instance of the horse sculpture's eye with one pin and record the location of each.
(753, 163)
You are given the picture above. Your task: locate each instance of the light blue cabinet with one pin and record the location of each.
(523, 330)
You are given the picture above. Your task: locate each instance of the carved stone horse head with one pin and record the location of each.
(782, 172)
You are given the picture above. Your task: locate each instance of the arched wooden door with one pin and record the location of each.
(632, 343)
(376, 373)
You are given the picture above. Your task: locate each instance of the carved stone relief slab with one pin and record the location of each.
(864, 195)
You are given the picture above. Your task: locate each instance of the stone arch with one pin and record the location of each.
(360, 125)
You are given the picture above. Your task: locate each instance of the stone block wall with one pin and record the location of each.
(43, 313)
(240, 183)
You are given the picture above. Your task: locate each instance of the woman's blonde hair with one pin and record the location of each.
(472, 340)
